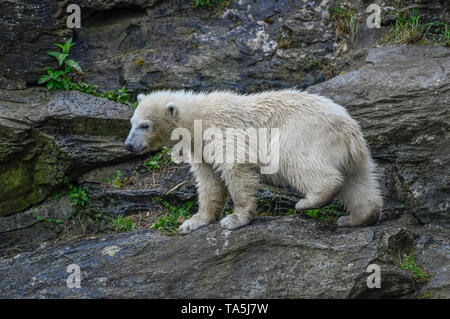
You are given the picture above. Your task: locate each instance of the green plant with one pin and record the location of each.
(225, 213)
(270, 206)
(118, 181)
(121, 96)
(408, 263)
(441, 29)
(78, 196)
(426, 295)
(346, 23)
(49, 220)
(121, 224)
(177, 214)
(407, 28)
(159, 160)
(284, 42)
(59, 79)
(86, 88)
(207, 3)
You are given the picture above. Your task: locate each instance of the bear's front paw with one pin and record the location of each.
(192, 224)
(234, 221)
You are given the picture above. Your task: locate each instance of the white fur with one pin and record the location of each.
(322, 151)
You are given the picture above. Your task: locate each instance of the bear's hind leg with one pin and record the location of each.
(319, 189)
(242, 182)
(212, 195)
(361, 198)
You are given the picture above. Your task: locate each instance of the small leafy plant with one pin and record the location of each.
(177, 215)
(159, 160)
(409, 29)
(78, 196)
(408, 263)
(59, 79)
(118, 181)
(121, 224)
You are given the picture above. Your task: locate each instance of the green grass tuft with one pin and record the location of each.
(346, 24)
(121, 224)
(408, 263)
(170, 222)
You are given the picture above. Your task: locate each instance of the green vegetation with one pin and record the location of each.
(207, 3)
(159, 160)
(409, 263)
(78, 196)
(346, 24)
(120, 95)
(426, 295)
(49, 220)
(409, 29)
(176, 216)
(64, 78)
(274, 207)
(60, 79)
(443, 30)
(118, 181)
(329, 213)
(284, 42)
(270, 206)
(121, 224)
(225, 213)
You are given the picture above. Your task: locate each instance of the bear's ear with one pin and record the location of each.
(172, 108)
(140, 97)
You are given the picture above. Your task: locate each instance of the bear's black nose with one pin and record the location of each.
(129, 147)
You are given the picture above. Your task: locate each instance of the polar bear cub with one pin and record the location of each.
(321, 151)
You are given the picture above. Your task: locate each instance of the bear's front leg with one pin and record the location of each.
(242, 182)
(212, 195)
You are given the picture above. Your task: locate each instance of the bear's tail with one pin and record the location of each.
(360, 193)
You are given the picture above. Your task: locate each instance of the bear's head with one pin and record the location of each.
(152, 123)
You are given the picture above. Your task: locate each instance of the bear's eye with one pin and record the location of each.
(143, 126)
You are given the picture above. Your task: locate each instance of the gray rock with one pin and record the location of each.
(401, 98)
(28, 30)
(288, 257)
(49, 137)
(176, 186)
(245, 45)
(27, 230)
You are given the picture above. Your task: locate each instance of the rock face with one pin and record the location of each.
(288, 257)
(28, 29)
(273, 257)
(242, 44)
(401, 98)
(47, 138)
